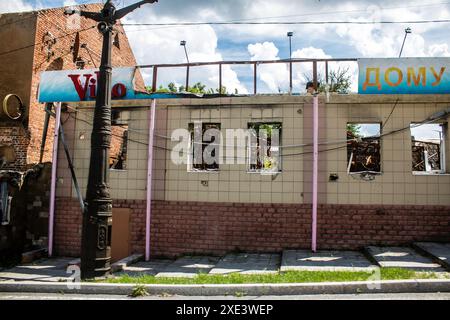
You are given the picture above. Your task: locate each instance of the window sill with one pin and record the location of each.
(203, 171)
(366, 172)
(421, 173)
(265, 173)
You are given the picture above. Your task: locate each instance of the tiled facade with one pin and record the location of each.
(237, 210)
(397, 185)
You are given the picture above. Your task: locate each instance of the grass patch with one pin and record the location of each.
(287, 277)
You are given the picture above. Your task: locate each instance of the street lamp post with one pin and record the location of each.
(290, 34)
(183, 44)
(97, 218)
(407, 31)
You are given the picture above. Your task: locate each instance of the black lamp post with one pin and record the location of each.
(290, 34)
(407, 31)
(183, 44)
(97, 218)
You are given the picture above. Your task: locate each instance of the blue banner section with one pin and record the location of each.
(81, 85)
(404, 76)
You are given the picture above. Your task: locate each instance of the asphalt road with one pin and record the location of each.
(401, 296)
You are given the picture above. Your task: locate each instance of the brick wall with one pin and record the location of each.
(20, 72)
(216, 228)
(55, 21)
(16, 137)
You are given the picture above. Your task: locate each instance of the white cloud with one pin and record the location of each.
(274, 76)
(162, 45)
(68, 3)
(14, 6)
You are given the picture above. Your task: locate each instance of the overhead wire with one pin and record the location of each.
(288, 23)
(380, 136)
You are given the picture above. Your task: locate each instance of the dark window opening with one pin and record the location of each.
(264, 147)
(363, 147)
(119, 140)
(198, 161)
(428, 147)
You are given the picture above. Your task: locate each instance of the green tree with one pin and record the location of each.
(172, 87)
(354, 129)
(340, 81)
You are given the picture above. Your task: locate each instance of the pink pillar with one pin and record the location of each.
(315, 171)
(51, 217)
(151, 134)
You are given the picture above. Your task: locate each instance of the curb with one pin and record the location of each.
(391, 286)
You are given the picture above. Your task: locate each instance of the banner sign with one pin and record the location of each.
(404, 76)
(81, 85)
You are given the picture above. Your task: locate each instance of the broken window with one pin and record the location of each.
(363, 148)
(204, 146)
(5, 204)
(264, 147)
(428, 147)
(119, 140)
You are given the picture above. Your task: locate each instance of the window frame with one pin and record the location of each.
(190, 160)
(263, 171)
(442, 151)
(117, 121)
(349, 158)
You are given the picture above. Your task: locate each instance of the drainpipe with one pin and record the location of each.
(51, 217)
(151, 135)
(315, 171)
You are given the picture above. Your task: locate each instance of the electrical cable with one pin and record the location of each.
(212, 23)
(392, 111)
(426, 121)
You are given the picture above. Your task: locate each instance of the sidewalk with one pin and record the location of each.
(55, 269)
(50, 275)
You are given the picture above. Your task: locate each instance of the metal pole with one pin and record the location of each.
(315, 81)
(48, 108)
(290, 65)
(187, 68)
(151, 137)
(97, 219)
(403, 44)
(220, 78)
(315, 171)
(72, 169)
(155, 79)
(255, 78)
(51, 217)
(407, 31)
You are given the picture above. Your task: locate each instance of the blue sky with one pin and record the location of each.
(206, 43)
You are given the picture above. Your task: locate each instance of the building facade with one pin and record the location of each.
(237, 206)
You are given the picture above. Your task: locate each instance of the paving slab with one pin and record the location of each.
(152, 268)
(439, 252)
(246, 263)
(305, 260)
(403, 257)
(45, 270)
(188, 267)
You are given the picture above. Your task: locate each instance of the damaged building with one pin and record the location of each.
(34, 42)
(368, 193)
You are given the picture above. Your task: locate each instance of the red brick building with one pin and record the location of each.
(38, 41)
(33, 42)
